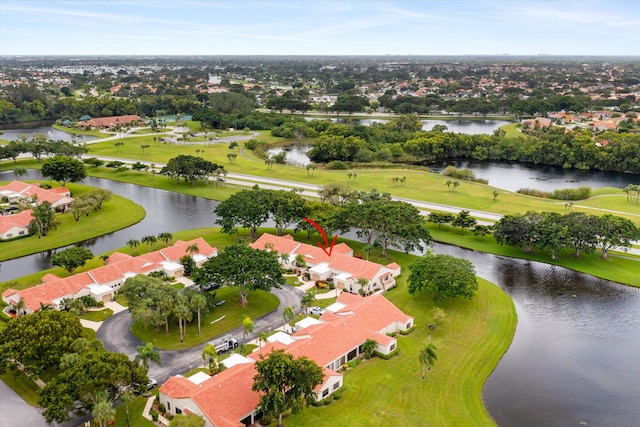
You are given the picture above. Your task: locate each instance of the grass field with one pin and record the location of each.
(116, 214)
(387, 392)
(231, 314)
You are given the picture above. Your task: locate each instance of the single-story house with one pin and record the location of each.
(15, 225)
(226, 399)
(342, 267)
(107, 122)
(101, 283)
(59, 197)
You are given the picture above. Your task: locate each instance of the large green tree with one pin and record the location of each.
(63, 169)
(392, 223)
(247, 208)
(285, 383)
(146, 353)
(286, 208)
(614, 231)
(243, 268)
(444, 276)
(75, 388)
(71, 258)
(36, 342)
(190, 169)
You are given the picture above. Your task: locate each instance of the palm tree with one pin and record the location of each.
(262, 338)
(20, 307)
(103, 411)
(165, 237)
(68, 360)
(307, 300)
(363, 282)
(184, 315)
(210, 357)
(133, 243)
(198, 302)
(247, 327)
(146, 353)
(44, 219)
(285, 258)
(428, 357)
(456, 184)
(192, 249)
(126, 398)
(288, 315)
(149, 240)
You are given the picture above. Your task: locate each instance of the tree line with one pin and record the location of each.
(553, 232)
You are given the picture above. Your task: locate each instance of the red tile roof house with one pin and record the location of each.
(341, 266)
(15, 225)
(107, 122)
(226, 399)
(102, 282)
(60, 197)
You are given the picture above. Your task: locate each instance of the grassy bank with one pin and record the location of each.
(116, 214)
(617, 267)
(387, 392)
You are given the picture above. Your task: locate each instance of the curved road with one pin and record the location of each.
(116, 335)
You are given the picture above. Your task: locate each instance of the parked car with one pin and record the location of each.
(315, 310)
(153, 383)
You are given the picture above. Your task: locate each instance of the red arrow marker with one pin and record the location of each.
(324, 236)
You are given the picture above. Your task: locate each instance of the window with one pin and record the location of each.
(409, 325)
(9, 235)
(178, 411)
(325, 392)
(393, 347)
(168, 406)
(21, 233)
(336, 385)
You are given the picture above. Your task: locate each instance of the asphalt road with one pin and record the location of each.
(116, 335)
(15, 412)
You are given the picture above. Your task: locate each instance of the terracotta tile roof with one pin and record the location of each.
(50, 278)
(178, 387)
(110, 121)
(45, 294)
(79, 281)
(232, 399)
(56, 198)
(20, 220)
(106, 274)
(179, 249)
(358, 267)
(283, 245)
(9, 292)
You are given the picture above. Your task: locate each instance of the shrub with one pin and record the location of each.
(337, 165)
(266, 420)
(336, 395)
(571, 193)
(408, 331)
(533, 192)
(387, 356)
(154, 415)
(162, 408)
(328, 400)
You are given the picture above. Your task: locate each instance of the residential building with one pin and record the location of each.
(101, 283)
(226, 399)
(342, 267)
(18, 191)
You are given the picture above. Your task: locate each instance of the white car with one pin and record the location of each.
(316, 310)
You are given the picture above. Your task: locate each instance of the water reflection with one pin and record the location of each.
(165, 212)
(49, 131)
(572, 357)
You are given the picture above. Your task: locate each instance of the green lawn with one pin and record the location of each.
(231, 314)
(470, 344)
(97, 315)
(116, 214)
(23, 386)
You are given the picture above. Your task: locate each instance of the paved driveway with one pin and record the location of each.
(15, 412)
(116, 335)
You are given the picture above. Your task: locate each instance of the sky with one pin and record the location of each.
(329, 27)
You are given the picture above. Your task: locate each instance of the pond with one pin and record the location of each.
(457, 126)
(165, 212)
(51, 132)
(514, 176)
(573, 357)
